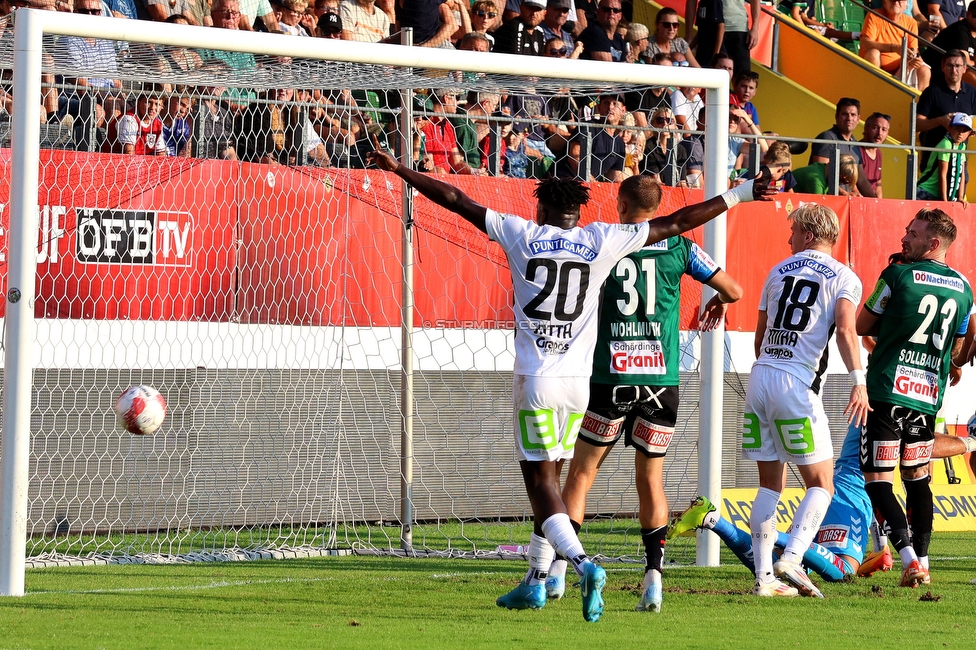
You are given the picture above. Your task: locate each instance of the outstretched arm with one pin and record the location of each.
(441, 193)
(692, 216)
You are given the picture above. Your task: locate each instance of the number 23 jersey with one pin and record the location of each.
(923, 308)
(557, 276)
(799, 298)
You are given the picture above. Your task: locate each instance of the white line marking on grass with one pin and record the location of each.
(213, 585)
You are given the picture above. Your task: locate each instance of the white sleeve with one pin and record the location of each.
(620, 240)
(503, 228)
(851, 288)
(129, 130)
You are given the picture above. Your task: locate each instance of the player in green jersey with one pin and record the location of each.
(919, 312)
(634, 385)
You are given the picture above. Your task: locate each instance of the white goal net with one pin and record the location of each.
(258, 277)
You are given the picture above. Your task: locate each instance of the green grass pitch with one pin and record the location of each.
(388, 602)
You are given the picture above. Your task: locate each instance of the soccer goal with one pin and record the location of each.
(335, 352)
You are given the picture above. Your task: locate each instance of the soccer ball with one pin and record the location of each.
(140, 410)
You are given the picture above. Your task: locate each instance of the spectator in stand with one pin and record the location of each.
(363, 21)
(803, 12)
(227, 15)
(779, 161)
(554, 21)
(881, 42)
(474, 42)
(200, 13)
(515, 157)
(523, 34)
(177, 127)
(85, 103)
(262, 136)
(291, 16)
(666, 37)
(601, 42)
(694, 145)
(216, 129)
(958, 36)
(160, 10)
(664, 158)
(743, 90)
(637, 39)
(940, 101)
(634, 143)
(943, 178)
(710, 20)
(485, 19)
(441, 140)
(558, 48)
(251, 10)
(534, 106)
(739, 38)
(329, 25)
(948, 12)
(643, 103)
(432, 22)
(741, 123)
(140, 131)
(687, 104)
(597, 146)
(812, 179)
(846, 117)
(126, 9)
(480, 107)
(875, 131)
(723, 61)
(177, 58)
(462, 18)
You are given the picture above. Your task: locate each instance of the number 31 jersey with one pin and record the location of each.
(557, 276)
(799, 298)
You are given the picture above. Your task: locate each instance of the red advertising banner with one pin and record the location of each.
(129, 237)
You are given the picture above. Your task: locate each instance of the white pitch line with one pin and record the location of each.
(213, 585)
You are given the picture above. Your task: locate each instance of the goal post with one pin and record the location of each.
(410, 67)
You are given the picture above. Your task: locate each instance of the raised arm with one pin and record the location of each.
(850, 351)
(441, 193)
(692, 216)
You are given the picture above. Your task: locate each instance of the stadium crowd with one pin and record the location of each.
(564, 135)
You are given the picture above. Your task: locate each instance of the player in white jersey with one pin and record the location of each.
(804, 298)
(557, 271)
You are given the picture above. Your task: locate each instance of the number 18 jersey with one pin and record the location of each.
(557, 276)
(799, 298)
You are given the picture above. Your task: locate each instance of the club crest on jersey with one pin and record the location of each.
(916, 384)
(832, 535)
(560, 244)
(813, 265)
(637, 358)
(934, 280)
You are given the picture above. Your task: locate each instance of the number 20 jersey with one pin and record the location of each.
(924, 306)
(799, 299)
(557, 276)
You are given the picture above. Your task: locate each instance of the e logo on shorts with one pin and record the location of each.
(538, 429)
(750, 431)
(797, 435)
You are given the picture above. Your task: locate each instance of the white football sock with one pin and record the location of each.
(762, 523)
(558, 568)
(651, 576)
(559, 531)
(907, 555)
(540, 557)
(806, 523)
(924, 561)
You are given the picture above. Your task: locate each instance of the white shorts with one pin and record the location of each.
(548, 415)
(784, 420)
